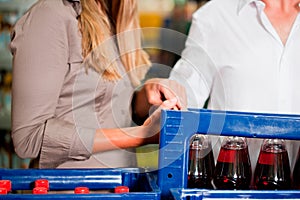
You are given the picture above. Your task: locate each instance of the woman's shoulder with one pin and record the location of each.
(44, 17)
(48, 14)
(53, 9)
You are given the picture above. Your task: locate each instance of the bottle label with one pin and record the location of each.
(266, 158)
(227, 155)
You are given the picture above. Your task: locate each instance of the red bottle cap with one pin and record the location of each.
(39, 190)
(3, 191)
(121, 189)
(42, 183)
(5, 184)
(81, 190)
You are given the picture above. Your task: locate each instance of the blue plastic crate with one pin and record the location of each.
(179, 126)
(142, 185)
(198, 194)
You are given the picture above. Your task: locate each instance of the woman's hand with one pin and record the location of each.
(152, 123)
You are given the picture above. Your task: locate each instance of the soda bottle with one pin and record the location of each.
(201, 162)
(296, 172)
(233, 168)
(272, 171)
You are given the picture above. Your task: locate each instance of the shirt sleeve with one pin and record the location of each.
(40, 63)
(195, 70)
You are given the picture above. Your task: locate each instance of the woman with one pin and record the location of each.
(73, 84)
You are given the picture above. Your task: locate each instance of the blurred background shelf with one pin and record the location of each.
(15, 5)
(5, 121)
(5, 60)
(10, 11)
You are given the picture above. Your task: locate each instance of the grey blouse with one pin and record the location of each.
(57, 104)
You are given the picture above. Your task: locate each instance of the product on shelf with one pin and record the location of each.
(233, 168)
(201, 162)
(272, 170)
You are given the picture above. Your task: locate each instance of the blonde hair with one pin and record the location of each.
(98, 22)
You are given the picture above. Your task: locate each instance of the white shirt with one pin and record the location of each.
(234, 55)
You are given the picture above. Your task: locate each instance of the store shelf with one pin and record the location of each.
(5, 121)
(5, 60)
(15, 5)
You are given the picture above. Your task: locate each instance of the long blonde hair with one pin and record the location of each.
(98, 22)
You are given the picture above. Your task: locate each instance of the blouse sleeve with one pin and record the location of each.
(40, 63)
(195, 70)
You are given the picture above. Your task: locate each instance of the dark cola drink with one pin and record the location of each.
(272, 170)
(233, 168)
(296, 172)
(201, 162)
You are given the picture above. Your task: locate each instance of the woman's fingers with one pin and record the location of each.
(154, 118)
(153, 122)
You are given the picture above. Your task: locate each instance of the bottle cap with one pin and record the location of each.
(121, 189)
(42, 183)
(3, 191)
(5, 184)
(39, 190)
(81, 190)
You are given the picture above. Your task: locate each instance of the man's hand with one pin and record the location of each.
(158, 90)
(154, 92)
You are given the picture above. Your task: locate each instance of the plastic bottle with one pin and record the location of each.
(233, 168)
(201, 162)
(272, 171)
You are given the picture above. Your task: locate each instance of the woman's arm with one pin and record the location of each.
(57, 149)
(108, 139)
(40, 62)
